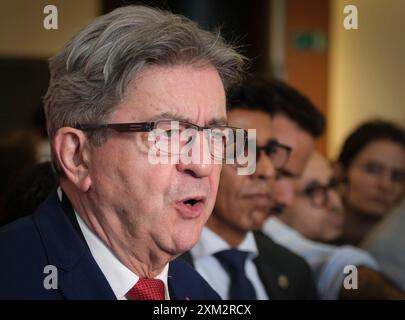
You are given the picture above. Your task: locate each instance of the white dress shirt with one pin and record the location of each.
(213, 272)
(326, 261)
(119, 277)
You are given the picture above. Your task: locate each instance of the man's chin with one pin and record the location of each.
(257, 218)
(256, 226)
(184, 243)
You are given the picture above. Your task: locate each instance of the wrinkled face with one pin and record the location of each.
(376, 178)
(244, 201)
(315, 219)
(288, 133)
(151, 202)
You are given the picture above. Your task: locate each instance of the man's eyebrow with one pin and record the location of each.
(272, 140)
(218, 122)
(312, 184)
(170, 116)
(176, 117)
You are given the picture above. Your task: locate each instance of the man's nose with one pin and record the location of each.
(385, 181)
(334, 200)
(198, 161)
(283, 192)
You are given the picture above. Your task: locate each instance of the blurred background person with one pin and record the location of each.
(42, 144)
(296, 123)
(233, 255)
(372, 165)
(386, 241)
(315, 215)
(20, 151)
(17, 155)
(29, 191)
(317, 210)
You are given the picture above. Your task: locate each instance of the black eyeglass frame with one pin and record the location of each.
(271, 148)
(150, 126)
(310, 190)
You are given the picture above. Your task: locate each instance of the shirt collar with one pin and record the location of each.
(277, 229)
(211, 243)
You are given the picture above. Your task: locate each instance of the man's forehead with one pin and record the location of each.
(191, 115)
(171, 115)
(250, 119)
(317, 169)
(189, 94)
(287, 132)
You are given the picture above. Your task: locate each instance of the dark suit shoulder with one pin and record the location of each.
(18, 239)
(284, 255)
(288, 270)
(22, 260)
(21, 240)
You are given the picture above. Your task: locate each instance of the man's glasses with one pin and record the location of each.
(319, 194)
(177, 137)
(278, 153)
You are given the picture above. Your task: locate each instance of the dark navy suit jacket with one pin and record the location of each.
(48, 237)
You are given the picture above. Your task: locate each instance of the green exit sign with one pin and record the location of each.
(310, 41)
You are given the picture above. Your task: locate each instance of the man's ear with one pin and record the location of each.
(71, 148)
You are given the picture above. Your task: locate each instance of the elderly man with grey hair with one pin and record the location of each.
(118, 221)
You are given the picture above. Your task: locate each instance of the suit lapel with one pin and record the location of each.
(186, 256)
(268, 271)
(79, 276)
(268, 277)
(177, 282)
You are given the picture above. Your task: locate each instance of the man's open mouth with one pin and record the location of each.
(193, 201)
(191, 207)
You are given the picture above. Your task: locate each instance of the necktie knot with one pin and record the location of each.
(147, 289)
(233, 261)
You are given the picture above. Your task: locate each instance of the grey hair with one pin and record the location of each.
(91, 73)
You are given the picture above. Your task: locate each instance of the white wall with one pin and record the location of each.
(367, 67)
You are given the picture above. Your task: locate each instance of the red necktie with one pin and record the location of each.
(147, 289)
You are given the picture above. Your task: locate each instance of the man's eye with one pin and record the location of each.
(217, 136)
(312, 186)
(333, 183)
(309, 191)
(282, 174)
(373, 168)
(398, 177)
(172, 133)
(271, 150)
